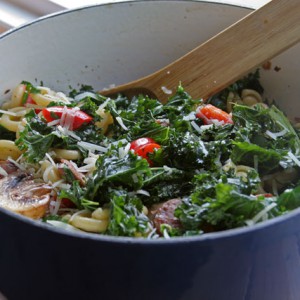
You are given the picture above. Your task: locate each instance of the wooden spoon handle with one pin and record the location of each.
(228, 56)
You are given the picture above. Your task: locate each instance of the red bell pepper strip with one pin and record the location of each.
(76, 117)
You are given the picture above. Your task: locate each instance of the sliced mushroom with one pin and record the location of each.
(20, 193)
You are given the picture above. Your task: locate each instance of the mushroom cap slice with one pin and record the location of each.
(20, 193)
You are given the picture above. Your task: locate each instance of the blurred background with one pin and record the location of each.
(14, 13)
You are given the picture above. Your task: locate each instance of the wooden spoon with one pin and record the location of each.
(226, 57)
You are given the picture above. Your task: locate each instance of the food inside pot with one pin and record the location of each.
(138, 168)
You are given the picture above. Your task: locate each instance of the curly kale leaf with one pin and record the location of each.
(203, 207)
(138, 115)
(232, 209)
(127, 217)
(180, 105)
(35, 139)
(263, 135)
(256, 125)
(229, 208)
(165, 183)
(217, 133)
(244, 153)
(289, 199)
(186, 151)
(113, 171)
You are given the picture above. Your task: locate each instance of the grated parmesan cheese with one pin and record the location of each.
(10, 113)
(153, 234)
(294, 158)
(16, 164)
(166, 234)
(111, 86)
(63, 116)
(275, 135)
(103, 105)
(166, 90)
(68, 133)
(90, 163)
(120, 121)
(57, 183)
(271, 134)
(233, 181)
(143, 192)
(92, 147)
(53, 123)
(69, 117)
(63, 97)
(122, 141)
(205, 152)
(196, 127)
(216, 122)
(46, 173)
(3, 172)
(19, 158)
(274, 187)
(134, 178)
(191, 116)
(263, 214)
(124, 151)
(54, 206)
(205, 127)
(50, 159)
(86, 168)
(255, 163)
(85, 95)
(64, 186)
(168, 170)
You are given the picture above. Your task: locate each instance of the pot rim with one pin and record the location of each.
(129, 240)
(219, 235)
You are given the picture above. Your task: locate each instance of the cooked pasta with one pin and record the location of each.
(233, 98)
(45, 99)
(13, 118)
(250, 97)
(16, 98)
(8, 149)
(84, 221)
(67, 154)
(242, 171)
(101, 214)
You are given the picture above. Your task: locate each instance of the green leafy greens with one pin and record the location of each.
(221, 173)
